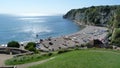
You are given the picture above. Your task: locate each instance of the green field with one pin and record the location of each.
(84, 59)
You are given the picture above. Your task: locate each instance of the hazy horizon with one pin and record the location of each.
(48, 7)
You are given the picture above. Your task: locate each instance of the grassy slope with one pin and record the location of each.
(26, 59)
(84, 59)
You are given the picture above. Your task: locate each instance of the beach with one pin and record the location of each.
(83, 36)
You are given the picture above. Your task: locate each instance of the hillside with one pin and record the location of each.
(108, 16)
(84, 59)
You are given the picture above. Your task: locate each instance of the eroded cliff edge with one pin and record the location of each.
(108, 16)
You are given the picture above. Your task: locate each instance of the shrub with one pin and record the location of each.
(13, 44)
(59, 52)
(89, 45)
(116, 37)
(116, 33)
(49, 54)
(116, 42)
(109, 47)
(63, 51)
(31, 46)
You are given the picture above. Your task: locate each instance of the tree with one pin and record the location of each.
(31, 46)
(116, 36)
(13, 44)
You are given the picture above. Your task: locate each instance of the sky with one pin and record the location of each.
(34, 7)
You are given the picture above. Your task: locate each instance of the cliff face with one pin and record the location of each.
(99, 15)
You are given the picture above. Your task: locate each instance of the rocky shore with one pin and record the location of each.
(84, 36)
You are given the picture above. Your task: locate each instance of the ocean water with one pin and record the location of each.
(25, 28)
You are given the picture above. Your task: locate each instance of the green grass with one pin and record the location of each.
(32, 58)
(90, 58)
(26, 59)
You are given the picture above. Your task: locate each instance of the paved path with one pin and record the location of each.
(33, 63)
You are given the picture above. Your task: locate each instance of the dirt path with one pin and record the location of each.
(33, 63)
(4, 57)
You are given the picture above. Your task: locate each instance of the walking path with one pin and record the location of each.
(4, 57)
(33, 63)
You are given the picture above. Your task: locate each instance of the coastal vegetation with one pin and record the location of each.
(115, 36)
(31, 46)
(75, 54)
(27, 59)
(13, 44)
(33, 57)
(108, 16)
(92, 58)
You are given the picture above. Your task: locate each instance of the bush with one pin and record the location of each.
(59, 52)
(116, 33)
(63, 51)
(116, 42)
(109, 47)
(13, 44)
(49, 54)
(31, 46)
(116, 37)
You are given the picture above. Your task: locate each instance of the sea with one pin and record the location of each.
(29, 28)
